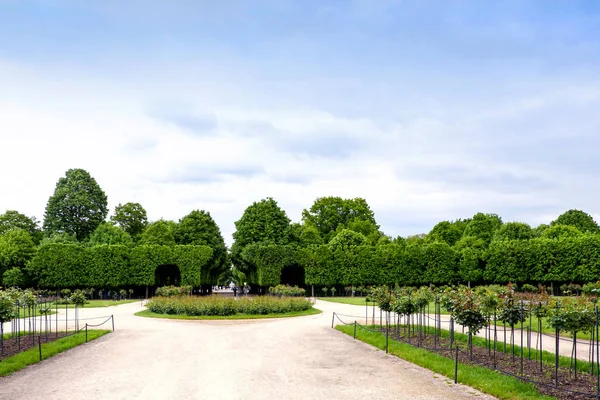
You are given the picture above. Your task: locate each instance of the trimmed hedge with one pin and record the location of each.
(59, 265)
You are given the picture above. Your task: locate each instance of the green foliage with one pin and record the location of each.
(16, 249)
(62, 237)
(132, 218)
(78, 298)
(7, 308)
(13, 277)
(577, 219)
(286, 290)
(107, 233)
(58, 266)
(572, 316)
(269, 260)
(558, 231)
(327, 213)
(514, 231)
(483, 226)
(113, 266)
(12, 219)
(310, 236)
(199, 229)
(77, 206)
(447, 232)
(222, 306)
(263, 221)
(347, 238)
(173, 291)
(467, 310)
(159, 233)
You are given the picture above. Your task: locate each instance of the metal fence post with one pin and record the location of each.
(456, 366)
(354, 329)
(112, 317)
(40, 347)
(86, 332)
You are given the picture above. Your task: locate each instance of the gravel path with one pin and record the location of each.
(294, 358)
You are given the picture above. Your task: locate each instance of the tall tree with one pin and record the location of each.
(262, 221)
(327, 213)
(77, 206)
(12, 219)
(132, 218)
(199, 228)
(578, 219)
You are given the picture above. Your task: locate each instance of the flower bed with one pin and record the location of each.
(222, 306)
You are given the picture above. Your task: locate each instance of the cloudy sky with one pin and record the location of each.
(429, 110)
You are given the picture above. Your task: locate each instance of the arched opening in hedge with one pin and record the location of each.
(292, 275)
(166, 275)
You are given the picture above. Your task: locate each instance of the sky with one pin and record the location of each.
(429, 110)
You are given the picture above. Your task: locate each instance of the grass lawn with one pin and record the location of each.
(32, 356)
(360, 301)
(355, 301)
(481, 378)
(99, 303)
(150, 314)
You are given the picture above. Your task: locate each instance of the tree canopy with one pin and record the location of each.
(77, 206)
(577, 219)
(132, 218)
(160, 232)
(107, 233)
(12, 219)
(327, 213)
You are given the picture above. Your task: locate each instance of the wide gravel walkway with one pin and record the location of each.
(294, 358)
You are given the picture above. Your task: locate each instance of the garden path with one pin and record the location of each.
(293, 358)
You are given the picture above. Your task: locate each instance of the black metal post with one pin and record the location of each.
(354, 330)
(40, 347)
(456, 366)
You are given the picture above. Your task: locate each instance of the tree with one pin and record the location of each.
(199, 228)
(327, 213)
(107, 233)
(558, 231)
(160, 232)
(263, 221)
(16, 249)
(483, 226)
(13, 277)
(132, 218)
(347, 238)
(578, 219)
(514, 231)
(12, 219)
(77, 206)
(447, 232)
(59, 238)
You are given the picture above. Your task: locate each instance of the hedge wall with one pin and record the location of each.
(58, 265)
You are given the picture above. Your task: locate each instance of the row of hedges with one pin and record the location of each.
(575, 259)
(71, 265)
(222, 306)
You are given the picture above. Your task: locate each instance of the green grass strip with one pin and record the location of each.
(150, 314)
(97, 304)
(32, 356)
(355, 301)
(480, 378)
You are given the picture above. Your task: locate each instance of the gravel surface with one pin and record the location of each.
(293, 358)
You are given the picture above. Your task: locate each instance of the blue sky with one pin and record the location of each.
(430, 110)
